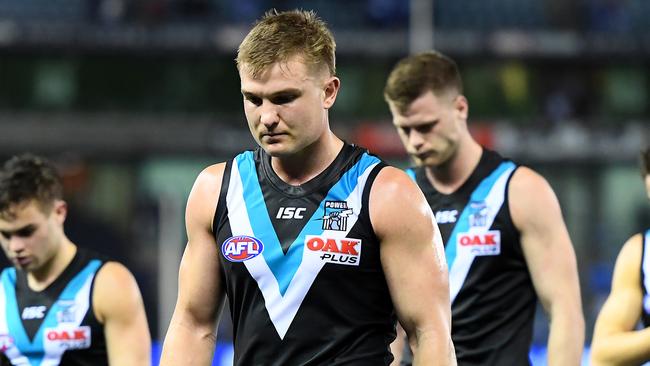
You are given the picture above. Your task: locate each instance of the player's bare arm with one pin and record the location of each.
(128, 341)
(413, 260)
(615, 340)
(397, 347)
(191, 336)
(551, 261)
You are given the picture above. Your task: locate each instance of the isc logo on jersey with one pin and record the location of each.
(33, 312)
(339, 251)
(68, 338)
(480, 243)
(446, 217)
(241, 248)
(287, 213)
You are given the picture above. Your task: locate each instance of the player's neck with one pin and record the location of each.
(299, 168)
(38, 280)
(451, 175)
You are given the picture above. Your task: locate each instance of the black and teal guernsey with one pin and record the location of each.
(301, 264)
(55, 326)
(493, 299)
(645, 278)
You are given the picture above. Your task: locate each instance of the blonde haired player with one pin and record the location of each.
(317, 244)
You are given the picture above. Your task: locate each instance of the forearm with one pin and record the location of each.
(188, 344)
(624, 348)
(566, 338)
(432, 349)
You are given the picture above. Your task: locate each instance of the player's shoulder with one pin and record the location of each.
(395, 192)
(397, 202)
(204, 195)
(532, 200)
(526, 176)
(632, 250)
(396, 182)
(628, 264)
(114, 272)
(209, 180)
(114, 278)
(212, 172)
(212, 175)
(529, 186)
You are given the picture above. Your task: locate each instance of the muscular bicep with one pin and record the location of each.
(411, 253)
(200, 291)
(128, 341)
(545, 240)
(191, 336)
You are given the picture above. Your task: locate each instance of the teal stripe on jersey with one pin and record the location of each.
(33, 350)
(14, 325)
(284, 266)
(479, 194)
(411, 173)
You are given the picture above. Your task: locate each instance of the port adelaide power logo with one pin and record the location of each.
(331, 248)
(336, 215)
(479, 240)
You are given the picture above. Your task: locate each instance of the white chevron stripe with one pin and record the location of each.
(53, 350)
(283, 309)
(464, 259)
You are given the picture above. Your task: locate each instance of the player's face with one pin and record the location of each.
(32, 238)
(286, 106)
(431, 127)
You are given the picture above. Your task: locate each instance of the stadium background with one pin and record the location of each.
(132, 98)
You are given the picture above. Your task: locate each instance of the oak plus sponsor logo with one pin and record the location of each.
(33, 312)
(480, 243)
(68, 338)
(446, 216)
(334, 250)
(6, 342)
(241, 248)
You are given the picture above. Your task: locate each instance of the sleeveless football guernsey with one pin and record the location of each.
(301, 264)
(493, 299)
(56, 326)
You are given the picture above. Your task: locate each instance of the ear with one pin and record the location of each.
(332, 86)
(60, 211)
(461, 106)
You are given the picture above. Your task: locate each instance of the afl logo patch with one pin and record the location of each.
(241, 248)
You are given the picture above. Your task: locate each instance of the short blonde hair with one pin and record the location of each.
(278, 36)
